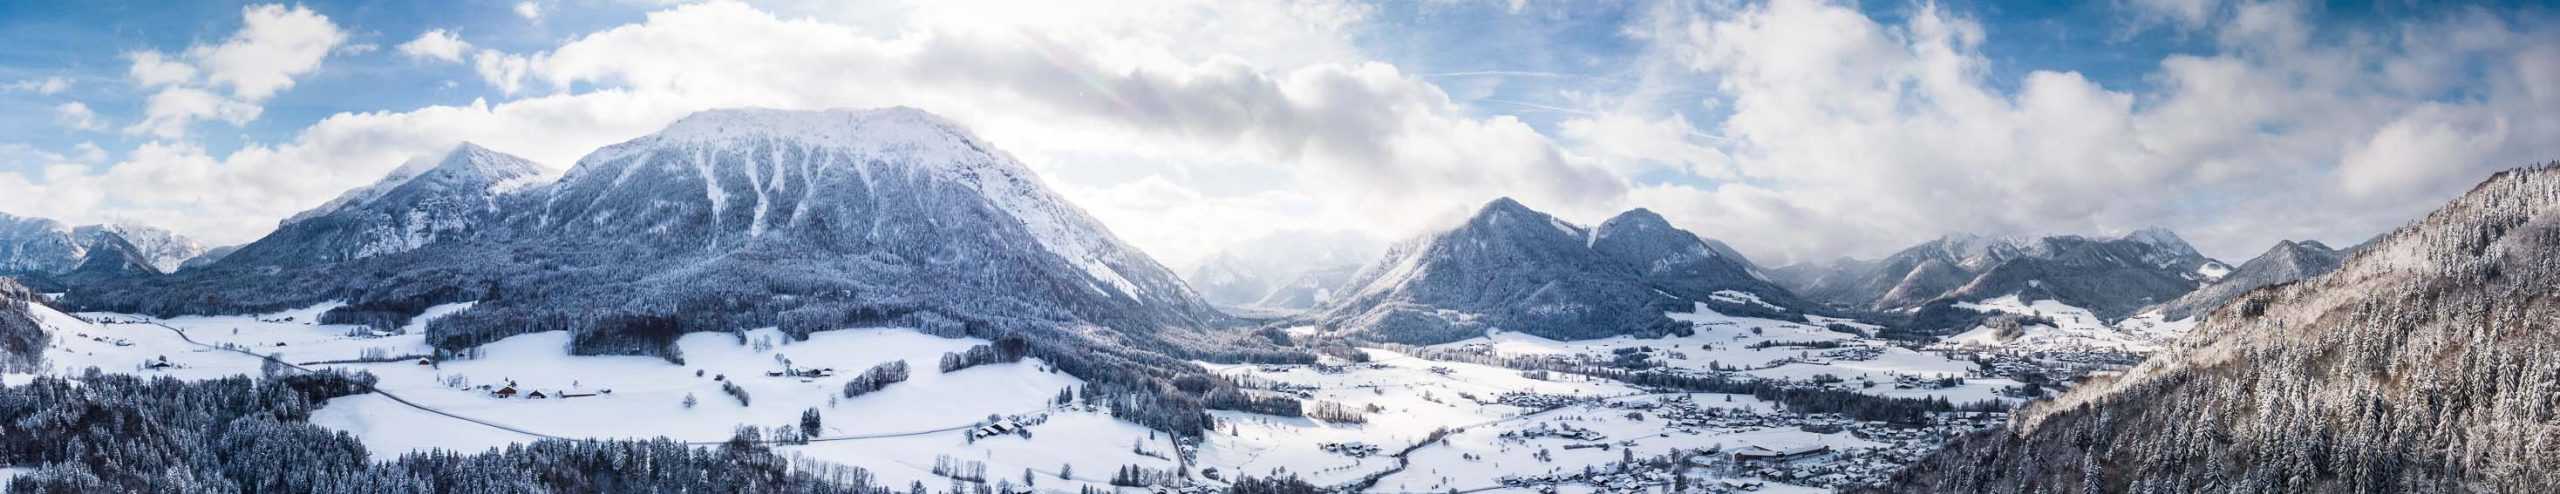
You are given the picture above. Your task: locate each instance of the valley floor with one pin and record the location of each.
(1398, 422)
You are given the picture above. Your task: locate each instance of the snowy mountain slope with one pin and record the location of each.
(2422, 364)
(2287, 262)
(38, 245)
(110, 257)
(163, 250)
(730, 219)
(1513, 268)
(207, 258)
(425, 200)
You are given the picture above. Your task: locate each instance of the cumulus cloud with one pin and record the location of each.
(76, 115)
(151, 69)
(529, 11)
(167, 113)
(436, 44)
(274, 45)
(1188, 126)
(1859, 136)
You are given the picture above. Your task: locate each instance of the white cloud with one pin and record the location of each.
(529, 11)
(436, 44)
(150, 69)
(168, 113)
(89, 152)
(274, 45)
(1189, 126)
(45, 86)
(76, 115)
(1859, 136)
(501, 70)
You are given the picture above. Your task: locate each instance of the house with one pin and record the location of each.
(506, 392)
(424, 361)
(1780, 455)
(535, 396)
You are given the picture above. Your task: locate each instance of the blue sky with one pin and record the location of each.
(1795, 129)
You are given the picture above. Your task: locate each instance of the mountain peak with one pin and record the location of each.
(1637, 217)
(1501, 205)
(2163, 238)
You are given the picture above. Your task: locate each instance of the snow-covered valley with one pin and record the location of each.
(1454, 423)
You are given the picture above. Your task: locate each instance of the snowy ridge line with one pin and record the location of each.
(182, 335)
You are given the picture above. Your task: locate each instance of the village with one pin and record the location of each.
(1743, 466)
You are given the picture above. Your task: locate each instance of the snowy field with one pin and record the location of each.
(1499, 422)
(2073, 329)
(899, 432)
(1413, 399)
(1770, 348)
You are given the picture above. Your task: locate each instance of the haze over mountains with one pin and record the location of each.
(1292, 270)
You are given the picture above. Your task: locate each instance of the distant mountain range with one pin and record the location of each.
(2112, 277)
(2423, 363)
(1291, 270)
(1513, 268)
(41, 246)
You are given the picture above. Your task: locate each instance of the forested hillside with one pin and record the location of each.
(2423, 364)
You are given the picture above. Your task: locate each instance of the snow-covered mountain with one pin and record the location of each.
(39, 245)
(1284, 270)
(804, 219)
(111, 257)
(2112, 277)
(2421, 364)
(2287, 262)
(162, 249)
(1513, 268)
(424, 200)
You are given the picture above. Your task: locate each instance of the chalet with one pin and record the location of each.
(506, 392)
(1780, 455)
(424, 361)
(537, 395)
(998, 428)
